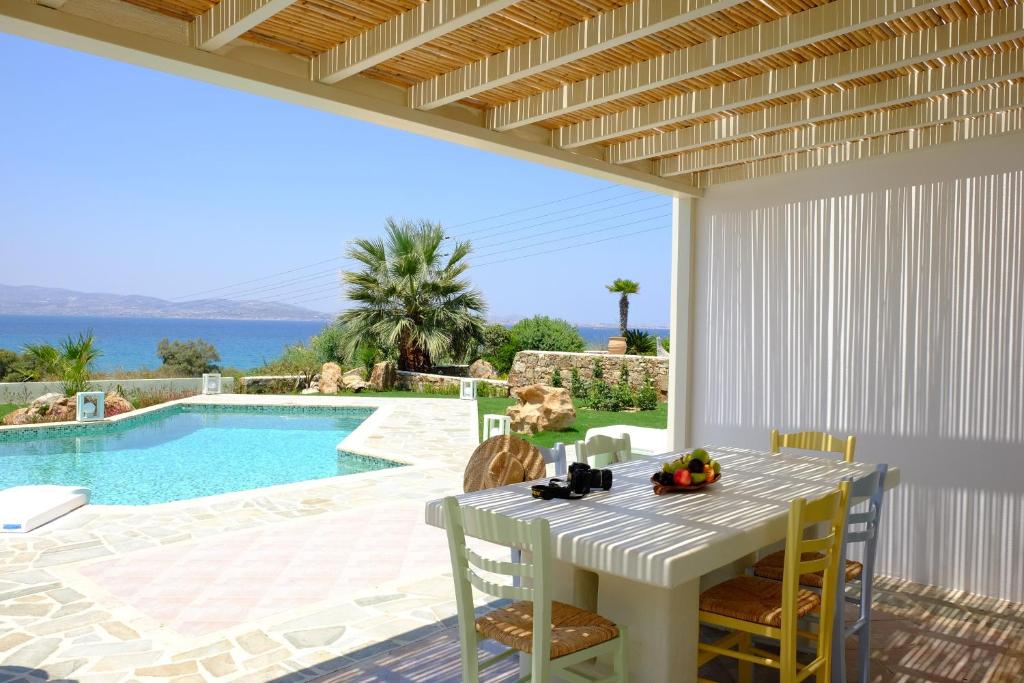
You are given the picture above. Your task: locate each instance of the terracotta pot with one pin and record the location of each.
(617, 345)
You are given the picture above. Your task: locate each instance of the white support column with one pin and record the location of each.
(680, 380)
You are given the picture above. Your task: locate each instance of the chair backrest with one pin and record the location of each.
(555, 456)
(534, 536)
(496, 425)
(814, 441)
(808, 552)
(862, 527)
(601, 450)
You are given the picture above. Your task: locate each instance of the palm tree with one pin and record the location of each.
(623, 288)
(411, 297)
(71, 363)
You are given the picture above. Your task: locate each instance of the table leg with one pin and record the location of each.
(662, 624)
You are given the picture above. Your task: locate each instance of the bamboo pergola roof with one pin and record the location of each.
(675, 94)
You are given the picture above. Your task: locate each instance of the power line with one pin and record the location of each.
(286, 284)
(571, 246)
(591, 224)
(525, 228)
(578, 234)
(258, 279)
(552, 213)
(535, 206)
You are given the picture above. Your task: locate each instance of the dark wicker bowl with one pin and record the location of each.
(660, 488)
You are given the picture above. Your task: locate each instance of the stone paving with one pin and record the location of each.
(919, 634)
(340, 581)
(284, 583)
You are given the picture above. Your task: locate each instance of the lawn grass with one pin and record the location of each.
(585, 418)
(6, 408)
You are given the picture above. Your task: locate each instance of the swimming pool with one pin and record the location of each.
(187, 451)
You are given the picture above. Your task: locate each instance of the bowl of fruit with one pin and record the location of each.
(691, 472)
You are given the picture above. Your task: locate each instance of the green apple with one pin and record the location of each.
(716, 467)
(702, 455)
(697, 477)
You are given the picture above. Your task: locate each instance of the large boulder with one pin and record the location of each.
(116, 404)
(353, 380)
(47, 408)
(481, 369)
(384, 376)
(330, 378)
(541, 409)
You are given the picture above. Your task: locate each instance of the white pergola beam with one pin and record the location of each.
(906, 50)
(602, 32)
(932, 82)
(229, 19)
(137, 36)
(786, 33)
(1000, 123)
(922, 115)
(407, 31)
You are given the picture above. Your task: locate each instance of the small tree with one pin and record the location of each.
(577, 387)
(624, 288)
(190, 358)
(647, 397)
(71, 363)
(556, 378)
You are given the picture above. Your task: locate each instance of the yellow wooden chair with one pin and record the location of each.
(814, 441)
(748, 606)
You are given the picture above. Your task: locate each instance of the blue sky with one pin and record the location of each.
(120, 179)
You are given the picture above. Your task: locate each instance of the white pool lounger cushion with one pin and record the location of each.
(23, 508)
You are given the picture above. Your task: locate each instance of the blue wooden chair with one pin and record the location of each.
(861, 528)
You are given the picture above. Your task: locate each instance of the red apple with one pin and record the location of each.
(682, 478)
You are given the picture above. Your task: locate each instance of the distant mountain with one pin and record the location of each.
(29, 300)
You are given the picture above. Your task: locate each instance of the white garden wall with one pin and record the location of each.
(24, 392)
(885, 299)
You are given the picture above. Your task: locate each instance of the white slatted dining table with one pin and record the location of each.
(641, 560)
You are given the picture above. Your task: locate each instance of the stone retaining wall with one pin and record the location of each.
(272, 384)
(537, 367)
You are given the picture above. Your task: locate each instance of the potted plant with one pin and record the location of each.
(623, 288)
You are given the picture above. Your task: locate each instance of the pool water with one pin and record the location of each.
(186, 452)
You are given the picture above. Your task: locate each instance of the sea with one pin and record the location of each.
(130, 343)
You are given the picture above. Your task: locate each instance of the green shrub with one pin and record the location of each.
(598, 369)
(541, 333)
(71, 362)
(623, 395)
(328, 344)
(493, 338)
(640, 343)
(664, 343)
(601, 396)
(297, 359)
(647, 397)
(577, 387)
(556, 378)
(191, 358)
(538, 333)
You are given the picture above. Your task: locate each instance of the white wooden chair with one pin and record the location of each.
(552, 456)
(496, 425)
(603, 450)
(575, 635)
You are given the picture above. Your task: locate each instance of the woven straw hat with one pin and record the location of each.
(502, 460)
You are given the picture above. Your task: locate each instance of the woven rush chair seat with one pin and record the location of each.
(771, 567)
(572, 629)
(758, 601)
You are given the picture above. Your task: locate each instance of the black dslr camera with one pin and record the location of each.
(582, 478)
